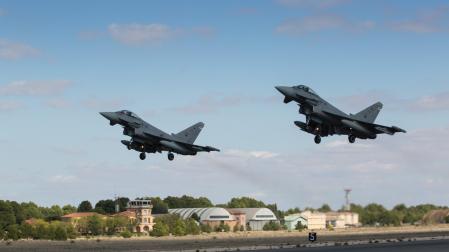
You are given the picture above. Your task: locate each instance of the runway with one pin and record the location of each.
(414, 246)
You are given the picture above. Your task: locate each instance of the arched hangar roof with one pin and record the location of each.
(205, 214)
(255, 213)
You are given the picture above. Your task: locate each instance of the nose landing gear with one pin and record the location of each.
(351, 138)
(317, 139)
(171, 156)
(142, 156)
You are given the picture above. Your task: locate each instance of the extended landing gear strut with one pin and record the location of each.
(171, 156)
(142, 156)
(317, 139)
(351, 138)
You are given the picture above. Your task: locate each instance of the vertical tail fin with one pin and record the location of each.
(369, 114)
(190, 134)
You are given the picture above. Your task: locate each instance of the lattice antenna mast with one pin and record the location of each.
(347, 203)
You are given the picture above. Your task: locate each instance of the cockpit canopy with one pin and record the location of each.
(129, 113)
(305, 88)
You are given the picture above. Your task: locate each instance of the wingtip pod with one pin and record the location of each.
(210, 148)
(397, 129)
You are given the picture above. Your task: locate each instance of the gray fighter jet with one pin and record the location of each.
(145, 138)
(323, 119)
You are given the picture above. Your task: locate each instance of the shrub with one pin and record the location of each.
(126, 234)
(205, 228)
(160, 229)
(12, 232)
(299, 226)
(192, 227)
(272, 225)
(222, 228)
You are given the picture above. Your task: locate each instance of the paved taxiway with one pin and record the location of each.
(414, 246)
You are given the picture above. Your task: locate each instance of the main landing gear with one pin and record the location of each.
(351, 138)
(171, 156)
(142, 156)
(317, 139)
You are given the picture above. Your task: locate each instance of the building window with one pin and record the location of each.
(264, 216)
(219, 217)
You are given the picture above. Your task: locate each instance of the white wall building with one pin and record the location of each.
(315, 220)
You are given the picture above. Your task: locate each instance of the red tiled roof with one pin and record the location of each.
(79, 215)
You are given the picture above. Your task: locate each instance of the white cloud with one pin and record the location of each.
(138, 34)
(13, 50)
(62, 179)
(58, 103)
(436, 102)
(317, 23)
(35, 88)
(427, 103)
(426, 21)
(321, 4)
(100, 104)
(9, 105)
(213, 103)
(144, 34)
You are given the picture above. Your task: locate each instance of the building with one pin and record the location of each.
(342, 219)
(314, 220)
(255, 218)
(291, 221)
(78, 220)
(139, 213)
(212, 216)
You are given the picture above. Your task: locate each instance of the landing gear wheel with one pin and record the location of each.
(351, 138)
(142, 156)
(171, 156)
(317, 139)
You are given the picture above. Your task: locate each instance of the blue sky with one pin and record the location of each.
(178, 62)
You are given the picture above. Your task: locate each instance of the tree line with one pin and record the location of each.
(47, 222)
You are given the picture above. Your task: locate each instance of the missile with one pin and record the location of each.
(176, 147)
(126, 143)
(357, 126)
(302, 126)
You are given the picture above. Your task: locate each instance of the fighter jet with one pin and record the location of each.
(145, 138)
(323, 119)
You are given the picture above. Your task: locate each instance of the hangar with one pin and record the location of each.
(256, 218)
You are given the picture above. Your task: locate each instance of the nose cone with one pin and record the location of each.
(283, 90)
(109, 115)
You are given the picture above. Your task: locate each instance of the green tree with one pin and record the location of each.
(7, 216)
(159, 206)
(114, 223)
(68, 209)
(325, 208)
(160, 229)
(245, 202)
(85, 206)
(272, 225)
(192, 227)
(187, 202)
(12, 232)
(179, 228)
(51, 213)
(105, 207)
(299, 226)
(31, 210)
(222, 228)
(95, 225)
(60, 231)
(122, 203)
(205, 228)
(26, 230)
